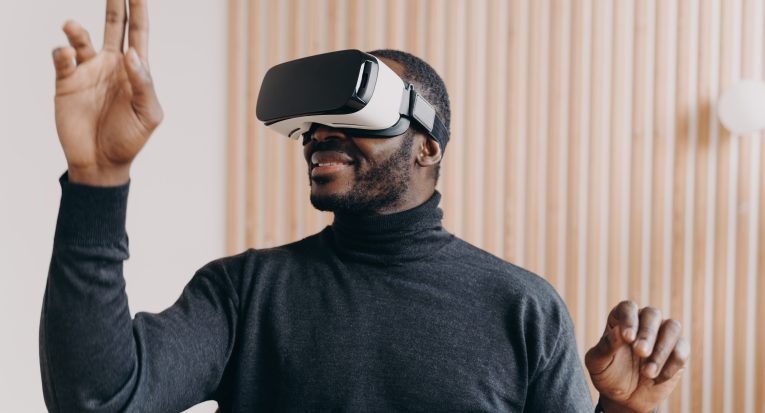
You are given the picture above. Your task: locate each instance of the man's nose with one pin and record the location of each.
(324, 133)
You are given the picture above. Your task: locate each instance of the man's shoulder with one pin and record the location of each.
(530, 302)
(261, 265)
(250, 259)
(305, 248)
(520, 281)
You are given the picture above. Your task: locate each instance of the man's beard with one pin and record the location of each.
(380, 187)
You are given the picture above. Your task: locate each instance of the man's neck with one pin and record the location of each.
(410, 200)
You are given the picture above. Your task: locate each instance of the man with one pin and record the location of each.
(382, 311)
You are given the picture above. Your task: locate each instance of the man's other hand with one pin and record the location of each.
(638, 361)
(106, 107)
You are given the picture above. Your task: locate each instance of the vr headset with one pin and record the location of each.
(348, 90)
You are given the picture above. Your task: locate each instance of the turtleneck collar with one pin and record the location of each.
(402, 236)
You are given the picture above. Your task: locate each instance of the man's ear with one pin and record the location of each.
(429, 152)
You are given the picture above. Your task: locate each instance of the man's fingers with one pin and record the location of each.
(114, 32)
(145, 102)
(621, 329)
(625, 316)
(63, 60)
(666, 340)
(650, 321)
(676, 361)
(79, 39)
(138, 28)
(601, 355)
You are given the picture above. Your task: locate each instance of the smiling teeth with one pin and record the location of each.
(330, 164)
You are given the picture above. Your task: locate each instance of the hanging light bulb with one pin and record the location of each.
(741, 109)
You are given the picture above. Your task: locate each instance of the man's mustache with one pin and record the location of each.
(333, 145)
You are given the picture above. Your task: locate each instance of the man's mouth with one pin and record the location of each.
(323, 164)
(329, 162)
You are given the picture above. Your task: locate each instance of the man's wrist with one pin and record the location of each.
(103, 177)
(90, 215)
(606, 405)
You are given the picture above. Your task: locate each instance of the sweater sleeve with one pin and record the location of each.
(558, 383)
(93, 356)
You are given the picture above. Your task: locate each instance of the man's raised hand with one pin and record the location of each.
(638, 360)
(106, 106)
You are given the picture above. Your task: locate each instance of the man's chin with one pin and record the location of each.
(352, 202)
(328, 194)
(341, 200)
(328, 202)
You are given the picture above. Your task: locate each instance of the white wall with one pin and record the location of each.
(176, 212)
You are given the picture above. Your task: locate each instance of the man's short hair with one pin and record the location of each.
(425, 80)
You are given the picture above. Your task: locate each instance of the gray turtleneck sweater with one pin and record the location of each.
(383, 313)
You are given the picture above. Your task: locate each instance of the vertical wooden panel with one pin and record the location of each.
(725, 211)
(577, 165)
(317, 38)
(355, 31)
(642, 141)
(663, 155)
(234, 144)
(396, 34)
(515, 166)
(455, 79)
(377, 29)
(419, 21)
(746, 226)
(597, 170)
(558, 148)
(436, 54)
(619, 158)
(494, 150)
(683, 185)
(759, 362)
(337, 19)
(701, 333)
(536, 167)
(295, 165)
(739, 315)
(273, 155)
(753, 67)
(473, 152)
(662, 170)
(585, 146)
(253, 176)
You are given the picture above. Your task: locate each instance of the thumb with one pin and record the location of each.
(600, 357)
(144, 101)
(63, 60)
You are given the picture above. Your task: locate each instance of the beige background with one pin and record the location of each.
(584, 147)
(177, 202)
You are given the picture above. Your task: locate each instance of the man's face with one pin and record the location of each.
(357, 175)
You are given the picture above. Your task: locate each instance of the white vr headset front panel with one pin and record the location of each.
(381, 112)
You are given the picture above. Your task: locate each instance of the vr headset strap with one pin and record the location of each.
(416, 108)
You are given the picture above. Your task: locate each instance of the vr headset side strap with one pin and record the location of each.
(421, 111)
(440, 133)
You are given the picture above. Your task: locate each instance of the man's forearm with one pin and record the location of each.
(87, 351)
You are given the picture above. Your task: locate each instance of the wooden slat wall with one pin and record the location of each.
(584, 147)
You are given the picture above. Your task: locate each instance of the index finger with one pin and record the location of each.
(650, 321)
(114, 31)
(625, 316)
(138, 29)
